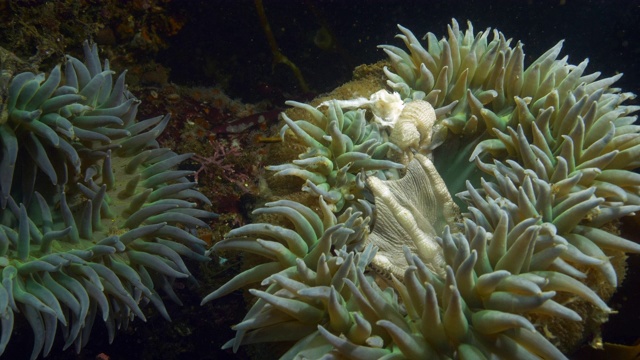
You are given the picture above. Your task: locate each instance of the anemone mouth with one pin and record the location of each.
(411, 212)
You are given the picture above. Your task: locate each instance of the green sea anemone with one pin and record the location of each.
(520, 265)
(314, 236)
(94, 219)
(342, 149)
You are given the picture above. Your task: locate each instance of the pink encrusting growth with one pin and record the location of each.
(219, 163)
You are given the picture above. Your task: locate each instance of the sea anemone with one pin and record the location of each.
(521, 265)
(94, 219)
(342, 149)
(313, 237)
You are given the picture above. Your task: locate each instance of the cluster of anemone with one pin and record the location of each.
(519, 266)
(95, 218)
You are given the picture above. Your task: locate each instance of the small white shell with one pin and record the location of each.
(414, 126)
(386, 107)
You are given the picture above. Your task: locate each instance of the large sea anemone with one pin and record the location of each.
(519, 266)
(94, 217)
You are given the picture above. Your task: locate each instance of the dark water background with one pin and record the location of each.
(229, 33)
(223, 44)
